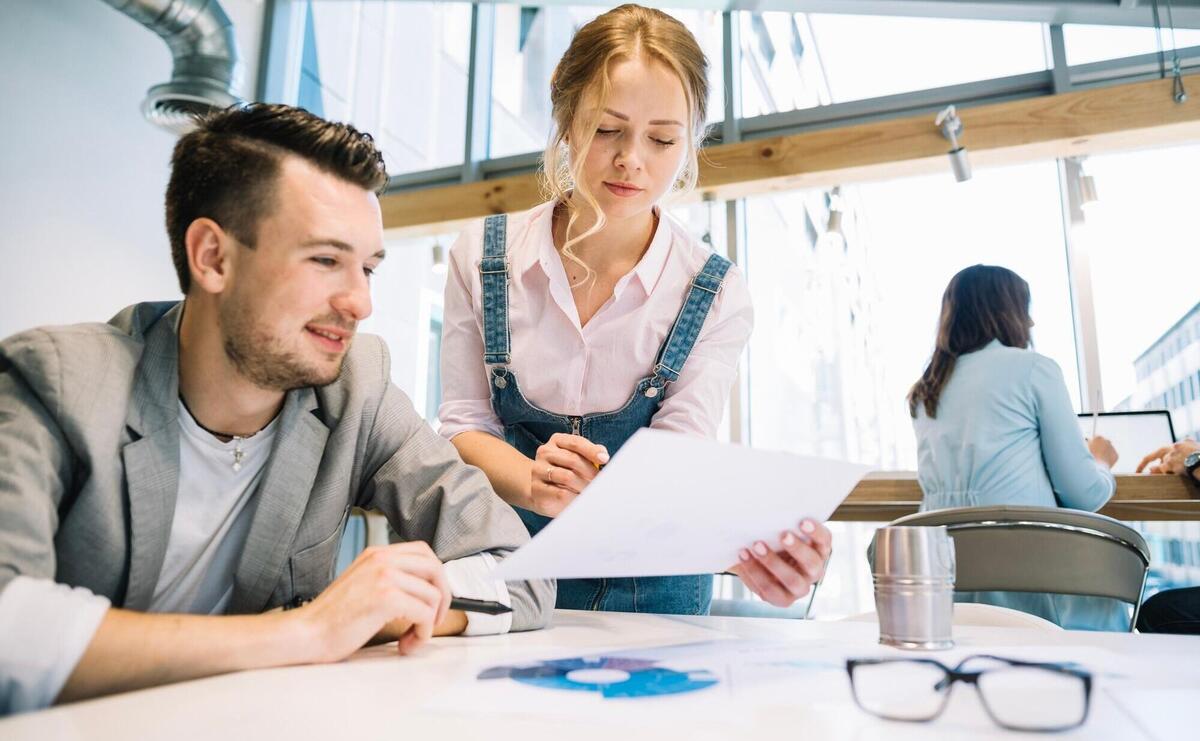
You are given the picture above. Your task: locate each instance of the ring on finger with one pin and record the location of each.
(549, 471)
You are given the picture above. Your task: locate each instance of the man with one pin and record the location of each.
(171, 477)
(1174, 610)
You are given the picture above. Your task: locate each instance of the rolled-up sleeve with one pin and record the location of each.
(695, 403)
(1079, 480)
(44, 629)
(466, 395)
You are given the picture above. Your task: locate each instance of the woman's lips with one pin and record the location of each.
(622, 190)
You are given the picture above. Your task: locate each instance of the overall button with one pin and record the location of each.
(652, 392)
(501, 382)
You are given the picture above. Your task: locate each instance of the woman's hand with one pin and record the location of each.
(564, 466)
(784, 574)
(1102, 450)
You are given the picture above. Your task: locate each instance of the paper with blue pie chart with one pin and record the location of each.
(703, 680)
(609, 676)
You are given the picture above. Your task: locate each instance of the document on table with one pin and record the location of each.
(671, 504)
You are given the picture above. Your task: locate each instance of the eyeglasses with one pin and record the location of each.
(1017, 695)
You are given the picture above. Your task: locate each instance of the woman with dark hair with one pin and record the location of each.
(994, 425)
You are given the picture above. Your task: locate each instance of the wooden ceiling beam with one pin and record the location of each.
(1119, 117)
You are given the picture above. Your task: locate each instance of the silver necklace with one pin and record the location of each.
(239, 453)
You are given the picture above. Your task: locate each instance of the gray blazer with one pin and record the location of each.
(89, 470)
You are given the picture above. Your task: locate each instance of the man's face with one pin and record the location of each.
(293, 302)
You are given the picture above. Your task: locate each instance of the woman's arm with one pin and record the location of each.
(564, 466)
(507, 469)
(1079, 480)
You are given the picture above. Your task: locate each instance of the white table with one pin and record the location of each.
(377, 694)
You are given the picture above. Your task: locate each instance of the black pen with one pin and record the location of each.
(478, 605)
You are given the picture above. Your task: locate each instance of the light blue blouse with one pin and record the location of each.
(1005, 433)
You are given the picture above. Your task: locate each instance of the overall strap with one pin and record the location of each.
(705, 287)
(493, 276)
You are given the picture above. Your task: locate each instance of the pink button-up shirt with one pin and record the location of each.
(572, 370)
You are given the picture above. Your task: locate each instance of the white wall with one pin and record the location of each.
(82, 175)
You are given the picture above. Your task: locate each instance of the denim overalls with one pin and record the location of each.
(526, 426)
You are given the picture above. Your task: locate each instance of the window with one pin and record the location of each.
(359, 65)
(837, 388)
(528, 44)
(1139, 240)
(1096, 43)
(406, 298)
(792, 61)
(823, 384)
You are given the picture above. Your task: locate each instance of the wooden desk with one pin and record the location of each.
(1152, 693)
(885, 495)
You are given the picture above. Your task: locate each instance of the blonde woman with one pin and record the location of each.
(572, 325)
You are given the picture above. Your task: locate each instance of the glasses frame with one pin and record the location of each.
(956, 674)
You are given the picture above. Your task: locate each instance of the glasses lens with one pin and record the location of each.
(1033, 699)
(901, 690)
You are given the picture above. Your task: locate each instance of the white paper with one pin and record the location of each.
(670, 504)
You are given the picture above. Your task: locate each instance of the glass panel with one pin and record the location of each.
(528, 44)
(358, 67)
(1096, 43)
(845, 324)
(1142, 246)
(406, 299)
(792, 61)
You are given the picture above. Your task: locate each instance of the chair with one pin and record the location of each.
(1042, 549)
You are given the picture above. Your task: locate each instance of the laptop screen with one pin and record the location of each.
(1133, 434)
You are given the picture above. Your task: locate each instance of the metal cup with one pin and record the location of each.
(914, 586)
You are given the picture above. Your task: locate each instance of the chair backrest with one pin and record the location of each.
(1042, 549)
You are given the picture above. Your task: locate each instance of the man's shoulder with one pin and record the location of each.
(60, 357)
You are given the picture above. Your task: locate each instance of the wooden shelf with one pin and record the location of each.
(1135, 115)
(885, 495)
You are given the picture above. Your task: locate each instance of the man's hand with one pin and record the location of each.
(1169, 458)
(783, 575)
(403, 585)
(564, 466)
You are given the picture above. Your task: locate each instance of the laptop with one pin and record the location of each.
(1134, 434)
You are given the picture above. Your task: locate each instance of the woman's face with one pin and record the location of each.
(640, 141)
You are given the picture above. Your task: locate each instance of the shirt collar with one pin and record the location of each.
(650, 268)
(541, 227)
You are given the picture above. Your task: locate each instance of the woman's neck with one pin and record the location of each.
(620, 244)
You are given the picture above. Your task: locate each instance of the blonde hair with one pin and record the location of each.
(625, 32)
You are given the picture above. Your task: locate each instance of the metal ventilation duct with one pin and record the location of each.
(206, 66)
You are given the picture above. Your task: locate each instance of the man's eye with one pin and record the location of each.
(368, 271)
(328, 262)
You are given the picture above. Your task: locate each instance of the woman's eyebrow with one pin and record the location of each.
(655, 122)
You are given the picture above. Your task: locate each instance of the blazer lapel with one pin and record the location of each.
(152, 458)
(282, 499)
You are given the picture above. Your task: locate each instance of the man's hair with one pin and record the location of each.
(226, 169)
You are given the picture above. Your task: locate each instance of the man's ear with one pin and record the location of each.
(208, 251)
